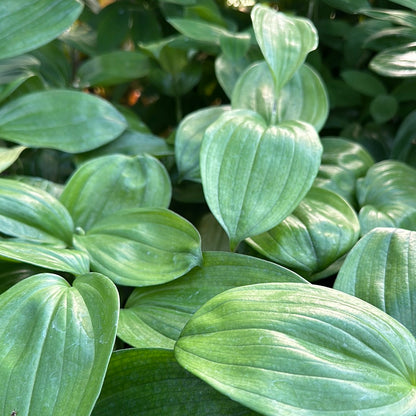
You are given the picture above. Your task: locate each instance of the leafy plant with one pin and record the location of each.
(134, 135)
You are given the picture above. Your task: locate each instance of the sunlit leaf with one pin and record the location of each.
(259, 344)
(254, 176)
(154, 317)
(57, 341)
(70, 121)
(108, 184)
(143, 246)
(26, 25)
(9, 155)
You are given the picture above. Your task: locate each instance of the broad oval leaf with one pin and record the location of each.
(51, 258)
(9, 155)
(387, 196)
(143, 246)
(151, 381)
(188, 141)
(57, 342)
(290, 349)
(381, 269)
(70, 121)
(26, 25)
(254, 176)
(108, 184)
(284, 41)
(363, 82)
(113, 68)
(154, 316)
(32, 214)
(321, 229)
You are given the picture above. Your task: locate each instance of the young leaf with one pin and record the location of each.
(284, 41)
(57, 341)
(290, 349)
(64, 260)
(32, 214)
(381, 269)
(70, 121)
(26, 25)
(151, 380)
(154, 317)
(142, 246)
(321, 229)
(254, 176)
(108, 184)
(9, 155)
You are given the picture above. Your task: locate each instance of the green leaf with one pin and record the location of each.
(398, 17)
(284, 41)
(383, 108)
(32, 214)
(18, 67)
(70, 121)
(254, 176)
(320, 231)
(57, 341)
(151, 381)
(363, 82)
(302, 98)
(140, 247)
(408, 3)
(350, 6)
(113, 68)
(188, 141)
(26, 25)
(387, 196)
(64, 260)
(108, 184)
(290, 349)
(154, 316)
(404, 148)
(235, 45)
(9, 155)
(381, 269)
(396, 61)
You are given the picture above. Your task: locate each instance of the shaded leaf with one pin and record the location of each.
(383, 108)
(12, 273)
(363, 82)
(57, 343)
(259, 344)
(154, 317)
(398, 17)
(404, 145)
(350, 6)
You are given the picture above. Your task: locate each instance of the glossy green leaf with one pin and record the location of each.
(152, 382)
(108, 184)
(70, 121)
(289, 349)
(57, 341)
(320, 231)
(302, 98)
(404, 148)
(350, 6)
(113, 68)
(26, 25)
(140, 247)
(381, 269)
(30, 213)
(52, 188)
(18, 67)
(383, 108)
(188, 140)
(284, 41)
(398, 17)
(64, 260)
(9, 155)
(154, 317)
(363, 82)
(397, 61)
(253, 175)
(387, 196)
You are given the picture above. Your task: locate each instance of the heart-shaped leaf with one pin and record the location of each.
(64, 260)
(57, 342)
(321, 229)
(70, 121)
(143, 246)
(32, 214)
(154, 316)
(387, 196)
(151, 380)
(108, 184)
(26, 25)
(284, 41)
(253, 175)
(188, 141)
(290, 349)
(381, 269)
(9, 155)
